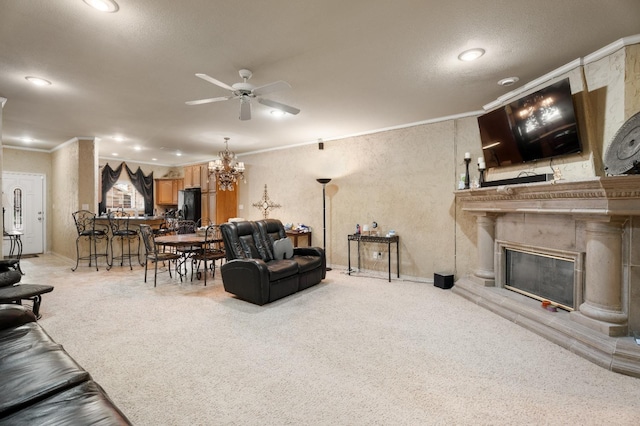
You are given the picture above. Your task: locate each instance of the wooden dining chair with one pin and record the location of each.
(154, 255)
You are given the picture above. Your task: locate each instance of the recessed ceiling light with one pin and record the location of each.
(38, 81)
(27, 140)
(154, 159)
(118, 138)
(508, 81)
(115, 154)
(137, 148)
(179, 154)
(471, 54)
(277, 113)
(103, 5)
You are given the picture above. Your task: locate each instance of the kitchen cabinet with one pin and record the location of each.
(226, 204)
(167, 191)
(204, 178)
(208, 205)
(192, 176)
(188, 177)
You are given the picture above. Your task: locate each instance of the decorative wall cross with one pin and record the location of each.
(265, 204)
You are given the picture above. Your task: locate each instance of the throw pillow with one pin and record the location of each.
(283, 249)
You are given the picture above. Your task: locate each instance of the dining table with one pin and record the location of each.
(182, 240)
(188, 244)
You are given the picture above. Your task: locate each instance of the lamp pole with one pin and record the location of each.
(324, 182)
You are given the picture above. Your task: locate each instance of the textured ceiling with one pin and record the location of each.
(354, 66)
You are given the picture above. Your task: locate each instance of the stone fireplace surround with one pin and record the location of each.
(598, 218)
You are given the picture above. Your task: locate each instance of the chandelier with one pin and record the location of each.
(227, 168)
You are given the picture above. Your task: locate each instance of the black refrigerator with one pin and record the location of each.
(189, 204)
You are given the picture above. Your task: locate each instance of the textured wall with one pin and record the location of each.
(64, 198)
(403, 179)
(26, 161)
(605, 82)
(632, 80)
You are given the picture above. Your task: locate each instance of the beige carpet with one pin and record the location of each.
(350, 351)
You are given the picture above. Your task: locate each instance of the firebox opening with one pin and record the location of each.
(541, 276)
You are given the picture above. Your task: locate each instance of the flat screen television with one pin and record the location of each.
(535, 127)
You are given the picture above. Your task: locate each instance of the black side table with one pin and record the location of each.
(15, 246)
(371, 239)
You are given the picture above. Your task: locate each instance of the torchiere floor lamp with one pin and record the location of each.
(324, 182)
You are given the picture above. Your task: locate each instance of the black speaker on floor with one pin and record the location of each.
(443, 280)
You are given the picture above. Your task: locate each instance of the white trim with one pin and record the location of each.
(25, 148)
(155, 163)
(369, 132)
(69, 142)
(558, 72)
(610, 48)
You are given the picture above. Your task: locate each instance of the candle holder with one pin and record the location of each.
(481, 179)
(466, 176)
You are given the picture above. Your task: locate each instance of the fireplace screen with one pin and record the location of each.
(541, 276)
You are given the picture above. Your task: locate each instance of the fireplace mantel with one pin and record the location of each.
(596, 217)
(608, 196)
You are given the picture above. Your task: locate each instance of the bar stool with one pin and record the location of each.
(88, 229)
(119, 223)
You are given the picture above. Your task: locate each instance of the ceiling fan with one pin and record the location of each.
(245, 92)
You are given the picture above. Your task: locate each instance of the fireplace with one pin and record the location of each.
(574, 243)
(541, 273)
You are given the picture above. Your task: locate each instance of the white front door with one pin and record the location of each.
(23, 202)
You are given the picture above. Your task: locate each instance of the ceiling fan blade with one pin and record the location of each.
(245, 109)
(214, 81)
(278, 105)
(206, 101)
(271, 87)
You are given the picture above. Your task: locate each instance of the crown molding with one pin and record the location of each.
(561, 71)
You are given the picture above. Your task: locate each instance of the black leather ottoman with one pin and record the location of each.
(16, 293)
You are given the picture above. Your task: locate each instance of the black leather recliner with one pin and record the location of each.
(252, 273)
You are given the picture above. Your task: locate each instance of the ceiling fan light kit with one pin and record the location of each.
(246, 91)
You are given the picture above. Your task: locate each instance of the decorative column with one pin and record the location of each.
(602, 309)
(485, 273)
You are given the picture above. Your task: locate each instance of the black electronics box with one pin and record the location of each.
(443, 280)
(518, 180)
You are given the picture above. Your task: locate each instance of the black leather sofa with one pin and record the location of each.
(41, 384)
(251, 271)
